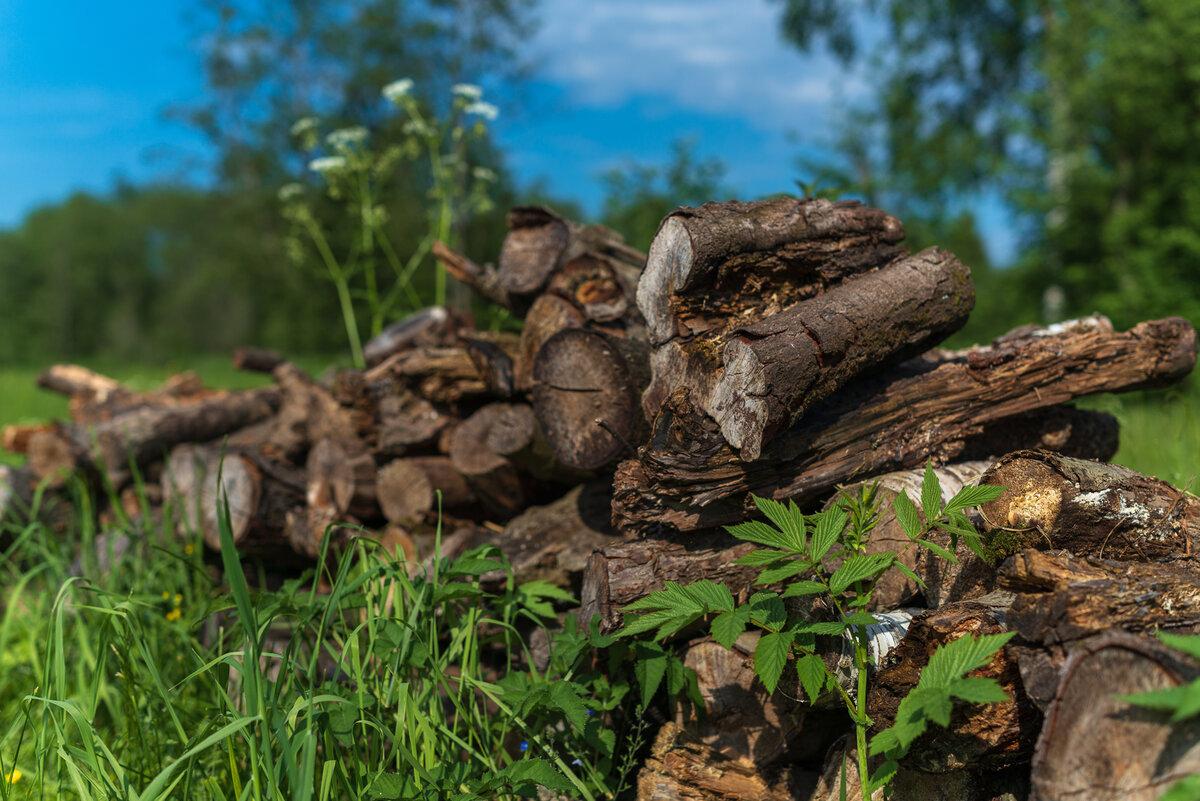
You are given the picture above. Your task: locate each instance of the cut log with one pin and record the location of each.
(930, 408)
(711, 267)
(681, 767)
(15, 438)
(539, 242)
(17, 485)
(183, 480)
(258, 505)
(586, 390)
(945, 582)
(492, 356)
(407, 489)
(761, 377)
(984, 736)
(97, 398)
(75, 381)
(1062, 598)
(602, 289)
(257, 360)
(439, 374)
(493, 478)
(549, 315)
(1095, 745)
(348, 470)
(1053, 501)
(408, 424)
(429, 327)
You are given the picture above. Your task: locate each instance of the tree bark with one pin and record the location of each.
(681, 767)
(1098, 747)
(938, 407)
(1053, 501)
(709, 268)
(760, 377)
(986, 736)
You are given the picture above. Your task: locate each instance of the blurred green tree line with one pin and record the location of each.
(1081, 116)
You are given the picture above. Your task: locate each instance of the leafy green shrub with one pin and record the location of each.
(824, 556)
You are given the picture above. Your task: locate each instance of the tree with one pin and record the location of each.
(1079, 113)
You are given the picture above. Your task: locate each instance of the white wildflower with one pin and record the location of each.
(483, 174)
(304, 125)
(347, 137)
(396, 90)
(467, 90)
(415, 128)
(289, 192)
(485, 110)
(327, 164)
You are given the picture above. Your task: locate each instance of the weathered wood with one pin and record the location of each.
(258, 505)
(1062, 597)
(586, 389)
(75, 381)
(1098, 747)
(931, 408)
(348, 470)
(493, 478)
(493, 358)
(257, 360)
(984, 736)
(763, 376)
(407, 488)
(183, 479)
(428, 327)
(945, 582)
(540, 242)
(681, 767)
(443, 375)
(548, 315)
(96, 398)
(408, 424)
(15, 438)
(712, 267)
(554, 542)
(483, 279)
(1053, 501)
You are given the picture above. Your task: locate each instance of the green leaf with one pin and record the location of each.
(907, 515)
(673, 596)
(882, 777)
(728, 626)
(1187, 789)
(961, 656)
(710, 596)
(538, 771)
(789, 521)
(978, 690)
(906, 570)
(770, 657)
(471, 565)
(1188, 644)
(665, 620)
(564, 696)
(970, 496)
(761, 533)
(779, 572)
(825, 535)
(812, 675)
(761, 557)
(826, 628)
(805, 587)
(941, 552)
(1165, 698)
(767, 610)
(859, 568)
(931, 494)
(860, 619)
(649, 669)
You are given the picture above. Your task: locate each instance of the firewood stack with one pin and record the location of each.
(783, 348)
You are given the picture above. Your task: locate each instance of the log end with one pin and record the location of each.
(668, 267)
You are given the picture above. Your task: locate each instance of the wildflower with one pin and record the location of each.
(524, 745)
(174, 615)
(178, 599)
(485, 110)
(304, 125)
(13, 776)
(576, 761)
(347, 137)
(190, 549)
(483, 174)
(396, 90)
(327, 164)
(467, 90)
(166, 595)
(416, 128)
(286, 192)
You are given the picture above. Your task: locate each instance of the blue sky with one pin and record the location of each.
(84, 87)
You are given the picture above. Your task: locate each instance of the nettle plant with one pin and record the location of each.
(823, 562)
(357, 174)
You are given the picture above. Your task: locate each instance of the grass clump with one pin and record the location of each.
(164, 675)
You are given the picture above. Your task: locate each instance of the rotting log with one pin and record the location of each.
(1106, 510)
(1062, 598)
(938, 407)
(443, 375)
(714, 266)
(762, 376)
(408, 424)
(492, 477)
(348, 470)
(679, 766)
(407, 487)
(586, 390)
(1097, 746)
(983, 736)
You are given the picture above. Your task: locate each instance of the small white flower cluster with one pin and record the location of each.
(347, 137)
(468, 91)
(397, 90)
(327, 164)
(304, 125)
(485, 110)
(289, 192)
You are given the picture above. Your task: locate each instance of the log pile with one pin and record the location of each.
(783, 348)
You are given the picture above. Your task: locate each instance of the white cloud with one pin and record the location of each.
(712, 56)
